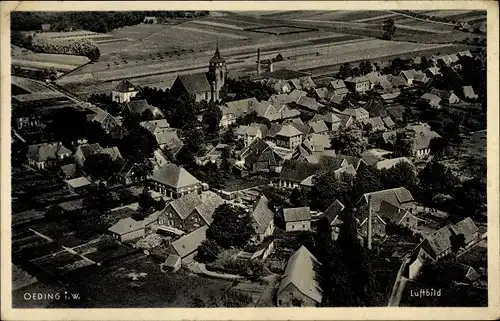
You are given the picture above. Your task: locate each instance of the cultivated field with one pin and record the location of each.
(45, 61)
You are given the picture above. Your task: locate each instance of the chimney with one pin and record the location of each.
(369, 236)
(258, 61)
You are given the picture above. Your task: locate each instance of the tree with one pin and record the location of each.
(211, 118)
(401, 175)
(438, 146)
(457, 242)
(327, 188)
(365, 67)
(389, 29)
(138, 145)
(345, 71)
(350, 142)
(298, 198)
(208, 251)
(101, 166)
(367, 180)
(471, 198)
(403, 146)
(231, 226)
(435, 179)
(146, 201)
(424, 63)
(452, 131)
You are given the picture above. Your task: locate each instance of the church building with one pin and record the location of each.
(207, 85)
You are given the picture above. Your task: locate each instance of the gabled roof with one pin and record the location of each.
(390, 163)
(373, 77)
(45, 151)
(333, 211)
(288, 130)
(396, 111)
(308, 103)
(465, 227)
(317, 140)
(153, 125)
(303, 128)
(389, 123)
(195, 83)
(357, 80)
(443, 94)
(394, 196)
(169, 137)
(468, 92)
(375, 108)
(140, 106)
(321, 92)
(172, 260)
(439, 241)
(431, 98)
(78, 182)
(184, 205)
(329, 117)
(263, 108)
(352, 160)
(238, 107)
(376, 122)
(318, 126)
(113, 152)
(297, 171)
(125, 86)
(296, 214)
(190, 242)
(301, 272)
(355, 112)
(261, 214)
(174, 176)
(337, 84)
(126, 225)
(392, 213)
(409, 74)
(70, 170)
(390, 96)
(434, 71)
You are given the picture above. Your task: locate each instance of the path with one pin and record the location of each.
(424, 20)
(399, 284)
(268, 294)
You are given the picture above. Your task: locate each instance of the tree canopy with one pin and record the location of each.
(350, 142)
(231, 226)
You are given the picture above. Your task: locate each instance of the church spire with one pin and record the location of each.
(217, 56)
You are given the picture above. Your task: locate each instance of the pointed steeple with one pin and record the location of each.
(217, 58)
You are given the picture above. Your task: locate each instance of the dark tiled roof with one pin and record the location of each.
(125, 86)
(261, 214)
(376, 108)
(297, 171)
(333, 211)
(465, 227)
(297, 214)
(174, 176)
(195, 83)
(217, 58)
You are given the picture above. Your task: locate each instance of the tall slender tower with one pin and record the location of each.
(217, 73)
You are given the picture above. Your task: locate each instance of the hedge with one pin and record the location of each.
(80, 47)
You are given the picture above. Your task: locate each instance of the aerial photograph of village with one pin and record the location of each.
(199, 159)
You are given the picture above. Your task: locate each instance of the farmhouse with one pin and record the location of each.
(294, 172)
(187, 213)
(174, 181)
(77, 184)
(124, 91)
(308, 104)
(259, 157)
(446, 96)
(422, 136)
(84, 151)
(151, 20)
(376, 124)
(397, 215)
(299, 285)
(262, 218)
(332, 120)
(332, 214)
(399, 197)
(204, 86)
(172, 263)
(390, 163)
(359, 114)
(127, 229)
(468, 92)
(467, 228)
(337, 87)
(434, 101)
(297, 219)
(187, 246)
(107, 122)
(318, 127)
(42, 156)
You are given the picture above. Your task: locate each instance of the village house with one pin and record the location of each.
(70, 171)
(253, 132)
(45, 155)
(391, 162)
(172, 263)
(467, 228)
(468, 92)
(374, 78)
(105, 120)
(373, 155)
(399, 197)
(127, 174)
(262, 219)
(432, 100)
(422, 136)
(259, 157)
(294, 172)
(376, 108)
(378, 226)
(150, 20)
(127, 229)
(188, 213)
(397, 215)
(166, 137)
(187, 246)
(331, 120)
(84, 151)
(308, 104)
(266, 110)
(288, 137)
(390, 98)
(376, 124)
(337, 87)
(299, 285)
(359, 114)
(204, 86)
(318, 127)
(388, 122)
(138, 107)
(333, 214)
(359, 84)
(283, 80)
(124, 92)
(232, 110)
(432, 72)
(174, 181)
(396, 112)
(447, 96)
(297, 219)
(316, 143)
(112, 152)
(78, 184)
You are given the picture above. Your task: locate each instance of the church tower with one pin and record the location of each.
(217, 71)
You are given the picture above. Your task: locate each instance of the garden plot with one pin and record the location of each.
(280, 30)
(46, 61)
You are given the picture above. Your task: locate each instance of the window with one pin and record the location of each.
(303, 226)
(293, 226)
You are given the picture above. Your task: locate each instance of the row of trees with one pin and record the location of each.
(242, 89)
(80, 47)
(97, 21)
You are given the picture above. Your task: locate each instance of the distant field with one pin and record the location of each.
(45, 61)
